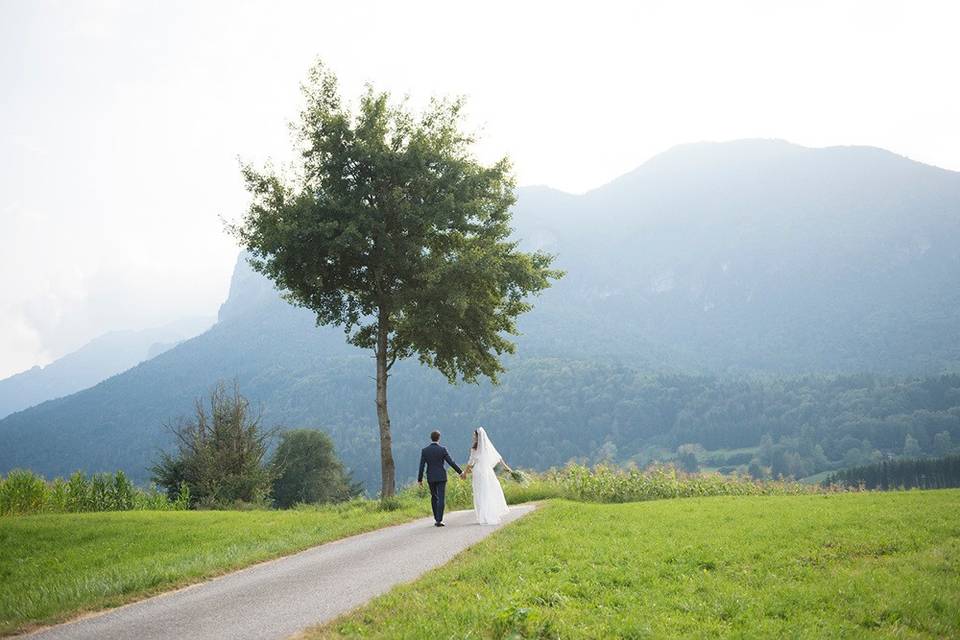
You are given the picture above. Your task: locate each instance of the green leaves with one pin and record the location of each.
(219, 453)
(392, 220)
(305, 469)
(24, 492)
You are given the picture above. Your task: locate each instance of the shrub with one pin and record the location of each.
(219, 453)
(306, 469)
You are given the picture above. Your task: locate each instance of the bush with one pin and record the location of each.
(219, 453)
(306, 469)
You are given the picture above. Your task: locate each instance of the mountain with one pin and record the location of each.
(701, 290)
(762, 256)
(97, 360)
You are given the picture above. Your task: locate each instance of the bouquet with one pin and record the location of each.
(519, 476)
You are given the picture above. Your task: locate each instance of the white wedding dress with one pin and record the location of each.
(488, 501)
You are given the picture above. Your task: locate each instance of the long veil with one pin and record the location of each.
(488, 500)
(487, 455)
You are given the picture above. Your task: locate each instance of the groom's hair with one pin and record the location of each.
(435, 436)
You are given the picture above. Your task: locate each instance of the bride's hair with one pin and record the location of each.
(476, 439)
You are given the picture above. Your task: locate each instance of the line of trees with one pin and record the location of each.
(930, 473)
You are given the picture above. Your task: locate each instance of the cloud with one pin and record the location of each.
(22, 347)
(66, 282)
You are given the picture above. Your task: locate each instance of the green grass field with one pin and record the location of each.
(868, 565)
(55, 565)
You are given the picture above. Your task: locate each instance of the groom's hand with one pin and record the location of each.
(420, 482)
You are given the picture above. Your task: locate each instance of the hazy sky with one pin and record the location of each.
(121, 122)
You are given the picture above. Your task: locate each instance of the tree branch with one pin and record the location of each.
(393, 358)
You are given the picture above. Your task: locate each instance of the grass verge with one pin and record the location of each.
(53, 566)
(858, 565)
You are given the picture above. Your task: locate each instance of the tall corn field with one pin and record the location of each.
(24, 492)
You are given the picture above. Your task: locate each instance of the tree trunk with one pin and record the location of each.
(387, 472)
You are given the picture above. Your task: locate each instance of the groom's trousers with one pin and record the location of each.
(438, 490)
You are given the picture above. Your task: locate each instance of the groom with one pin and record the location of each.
(432, 457)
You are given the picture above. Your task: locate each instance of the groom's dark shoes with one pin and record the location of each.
(439, 524)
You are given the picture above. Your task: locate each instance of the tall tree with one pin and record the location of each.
(389, 227)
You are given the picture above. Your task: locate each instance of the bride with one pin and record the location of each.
(488, 501)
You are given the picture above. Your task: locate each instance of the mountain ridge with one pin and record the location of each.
(104, 356)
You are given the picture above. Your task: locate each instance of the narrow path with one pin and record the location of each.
(278, 598)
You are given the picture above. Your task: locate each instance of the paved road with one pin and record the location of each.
(278, 598)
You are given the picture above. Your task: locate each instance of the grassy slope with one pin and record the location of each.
(847, 565)
(52, 566)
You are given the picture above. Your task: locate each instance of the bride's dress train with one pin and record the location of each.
(488, 500)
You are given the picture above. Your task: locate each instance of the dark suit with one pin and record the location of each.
(432, 457)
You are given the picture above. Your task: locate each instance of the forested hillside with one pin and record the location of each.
(722, 298)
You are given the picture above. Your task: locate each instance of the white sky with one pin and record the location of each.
(121, 122)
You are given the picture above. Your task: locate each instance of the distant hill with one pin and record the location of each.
(694, 283)
(97, 360)
(758, 256)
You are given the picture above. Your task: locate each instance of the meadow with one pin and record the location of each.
(56, 565)
(845, 565)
